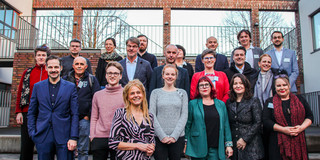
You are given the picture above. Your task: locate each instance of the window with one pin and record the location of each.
(8, 18)
(316, 30)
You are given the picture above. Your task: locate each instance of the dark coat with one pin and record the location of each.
(248, 71)
(190, 70)
(257, 52)
(221, 63)
(101, 70)
(245, 122)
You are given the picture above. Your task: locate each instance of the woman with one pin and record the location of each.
(109, 55)
(29, 77)
(132, 131)
(262, 81)
(180, 61)
(244, 113)
(102, 112)
(169, 105)
(207, 131)
(219, 79)
(286, 116)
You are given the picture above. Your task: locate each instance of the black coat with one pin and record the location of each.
(190, 70)
(245, 122)
(101, 70)
(248, 71)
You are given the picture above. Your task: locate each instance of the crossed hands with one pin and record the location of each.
(293, 131)
(148, 148)
(168, 140)
(72, 144)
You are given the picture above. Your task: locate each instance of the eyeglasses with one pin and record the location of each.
(75, 46)
(281, 76)
(203, 86)
(207, 58)
(129, 46)
(110, 74)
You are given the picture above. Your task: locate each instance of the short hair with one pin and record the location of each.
(239, 48)
(211, 37)
(76, 40)
(245, 31)
(183, 50)
(171, 45)
(264, 55)
(247, 87)
(85, 61)
(115, 64)
(142, 35)
(113, 41)
(213, 92)
(284, 76)
(43, 48)
(208, 51)
(52, 57)
(133, 40)
(276, 32)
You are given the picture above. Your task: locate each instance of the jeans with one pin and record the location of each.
(83, 142)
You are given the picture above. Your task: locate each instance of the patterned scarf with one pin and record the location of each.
(109, 56)
(25, 92)
(291, 147)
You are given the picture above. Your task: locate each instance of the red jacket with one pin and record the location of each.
(35, 76)
(222, 85)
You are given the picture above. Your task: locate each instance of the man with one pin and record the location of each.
(67, 61)
(182, 81)
(133, 66)
(53, 115)
(253, 53)
(239, 64)
(87, 85)
(284, 59)
(143, 51)
(221, 60)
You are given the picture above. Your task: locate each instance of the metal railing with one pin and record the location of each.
(5, 102)
(7, 47)
(313, 98)
(289, 34)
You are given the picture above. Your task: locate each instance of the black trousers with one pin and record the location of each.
(172, 151)
(27, 145)
(100, 149)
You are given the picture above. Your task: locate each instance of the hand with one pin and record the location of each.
(171, 140)
(86, 118)
(72, 144)
(229, 151)
(288, 130)
(241, 144)
(184, 151)
(142, 147)
(151, 148)
(19, 118)
(296, 130)
(165, 140)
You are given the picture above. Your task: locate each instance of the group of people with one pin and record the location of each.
(134, 109)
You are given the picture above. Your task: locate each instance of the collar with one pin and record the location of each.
(277, 50)
(251, 46)
(54, 84)
(134, 61)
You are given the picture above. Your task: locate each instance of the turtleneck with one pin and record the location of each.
(112, 89)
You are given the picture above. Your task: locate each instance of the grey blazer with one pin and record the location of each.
(288, 63)
(257, 52)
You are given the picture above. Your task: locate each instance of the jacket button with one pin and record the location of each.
(236, 128)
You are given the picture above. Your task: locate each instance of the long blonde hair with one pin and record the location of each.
(144, 105)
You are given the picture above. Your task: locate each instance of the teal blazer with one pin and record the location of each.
(195, 131)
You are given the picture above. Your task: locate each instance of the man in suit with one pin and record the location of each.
(53, 115)
(253, 53)
(284, 59)
(182, 81)
(143, 53)
(135, 67)
(221, 60)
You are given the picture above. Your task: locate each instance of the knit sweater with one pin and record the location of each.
(170, 110)
(104, 104)
(37, 74)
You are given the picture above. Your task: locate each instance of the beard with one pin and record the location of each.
(141, 50)
(277, 45)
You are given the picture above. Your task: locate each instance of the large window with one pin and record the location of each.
(316, 30)
(8, 18)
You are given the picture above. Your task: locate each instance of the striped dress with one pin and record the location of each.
(123, 130)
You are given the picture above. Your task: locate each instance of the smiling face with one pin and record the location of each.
(53, 67)
(212, 43)
(41, 58)
(135, 96)
(113, 76)
(169, 76)
(265, 64)
(239, 57)
(238, 86)
(208, 61)
(244, 39)
(109, 46)
(204, 89)
(79, 65)
(282, 87)
(277, 39)
(132, 50)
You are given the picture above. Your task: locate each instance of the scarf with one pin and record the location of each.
(109, 56)
(291, 147)
(263, 90)
(25, 92)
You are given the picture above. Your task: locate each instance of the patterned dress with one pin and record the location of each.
(123, 130)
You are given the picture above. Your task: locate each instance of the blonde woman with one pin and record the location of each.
(132, 131)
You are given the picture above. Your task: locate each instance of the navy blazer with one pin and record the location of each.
(62, 116)
(288, 63)
(182, 81)
(220, 65)
(143, 72)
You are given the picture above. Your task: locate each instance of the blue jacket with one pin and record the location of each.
(62, 116)
(220, 65)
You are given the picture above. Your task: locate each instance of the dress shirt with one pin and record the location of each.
(131, 68)
(53, 91)
(278, 55)
(240, 69)
(249, 56)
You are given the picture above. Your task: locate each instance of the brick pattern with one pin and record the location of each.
(24, 60)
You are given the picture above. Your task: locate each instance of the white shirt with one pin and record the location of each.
(278, 55)
(249, 56)
(240, 69)
(131, 68)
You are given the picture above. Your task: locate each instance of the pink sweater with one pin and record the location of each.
(104, 105)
